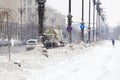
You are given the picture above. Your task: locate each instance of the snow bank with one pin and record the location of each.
(40, 60)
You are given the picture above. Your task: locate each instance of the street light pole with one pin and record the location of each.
(82, 30)
(98, 13)
(69, 28)
(21, 19)
(96, 26)
(94, 3)
(8, 29)
(41, 6)
(89, 28)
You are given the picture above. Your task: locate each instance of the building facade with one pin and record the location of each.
(24, 17)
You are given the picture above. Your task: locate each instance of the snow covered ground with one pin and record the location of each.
(99, 61)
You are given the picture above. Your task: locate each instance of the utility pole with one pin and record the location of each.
(69, 28)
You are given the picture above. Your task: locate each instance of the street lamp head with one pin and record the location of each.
(94, 2)
(69, 15)
(41, 1)
(98, 2)
(103, 17)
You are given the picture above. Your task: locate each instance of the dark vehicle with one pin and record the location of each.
(51, 39)
(61, 43)
(51, 45)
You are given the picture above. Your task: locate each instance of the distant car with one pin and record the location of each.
(17, 43)
(31, 44)
(5, 42)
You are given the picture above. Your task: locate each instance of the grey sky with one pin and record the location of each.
(111, 8)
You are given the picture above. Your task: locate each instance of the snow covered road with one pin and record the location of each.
(100, 62)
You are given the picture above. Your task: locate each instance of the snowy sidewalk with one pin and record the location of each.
(100, 62)
(72, 62)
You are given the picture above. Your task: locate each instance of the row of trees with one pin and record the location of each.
(5, 16)
(115, 32)
(29, 30)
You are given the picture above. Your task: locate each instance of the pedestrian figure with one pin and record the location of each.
(113, 42)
